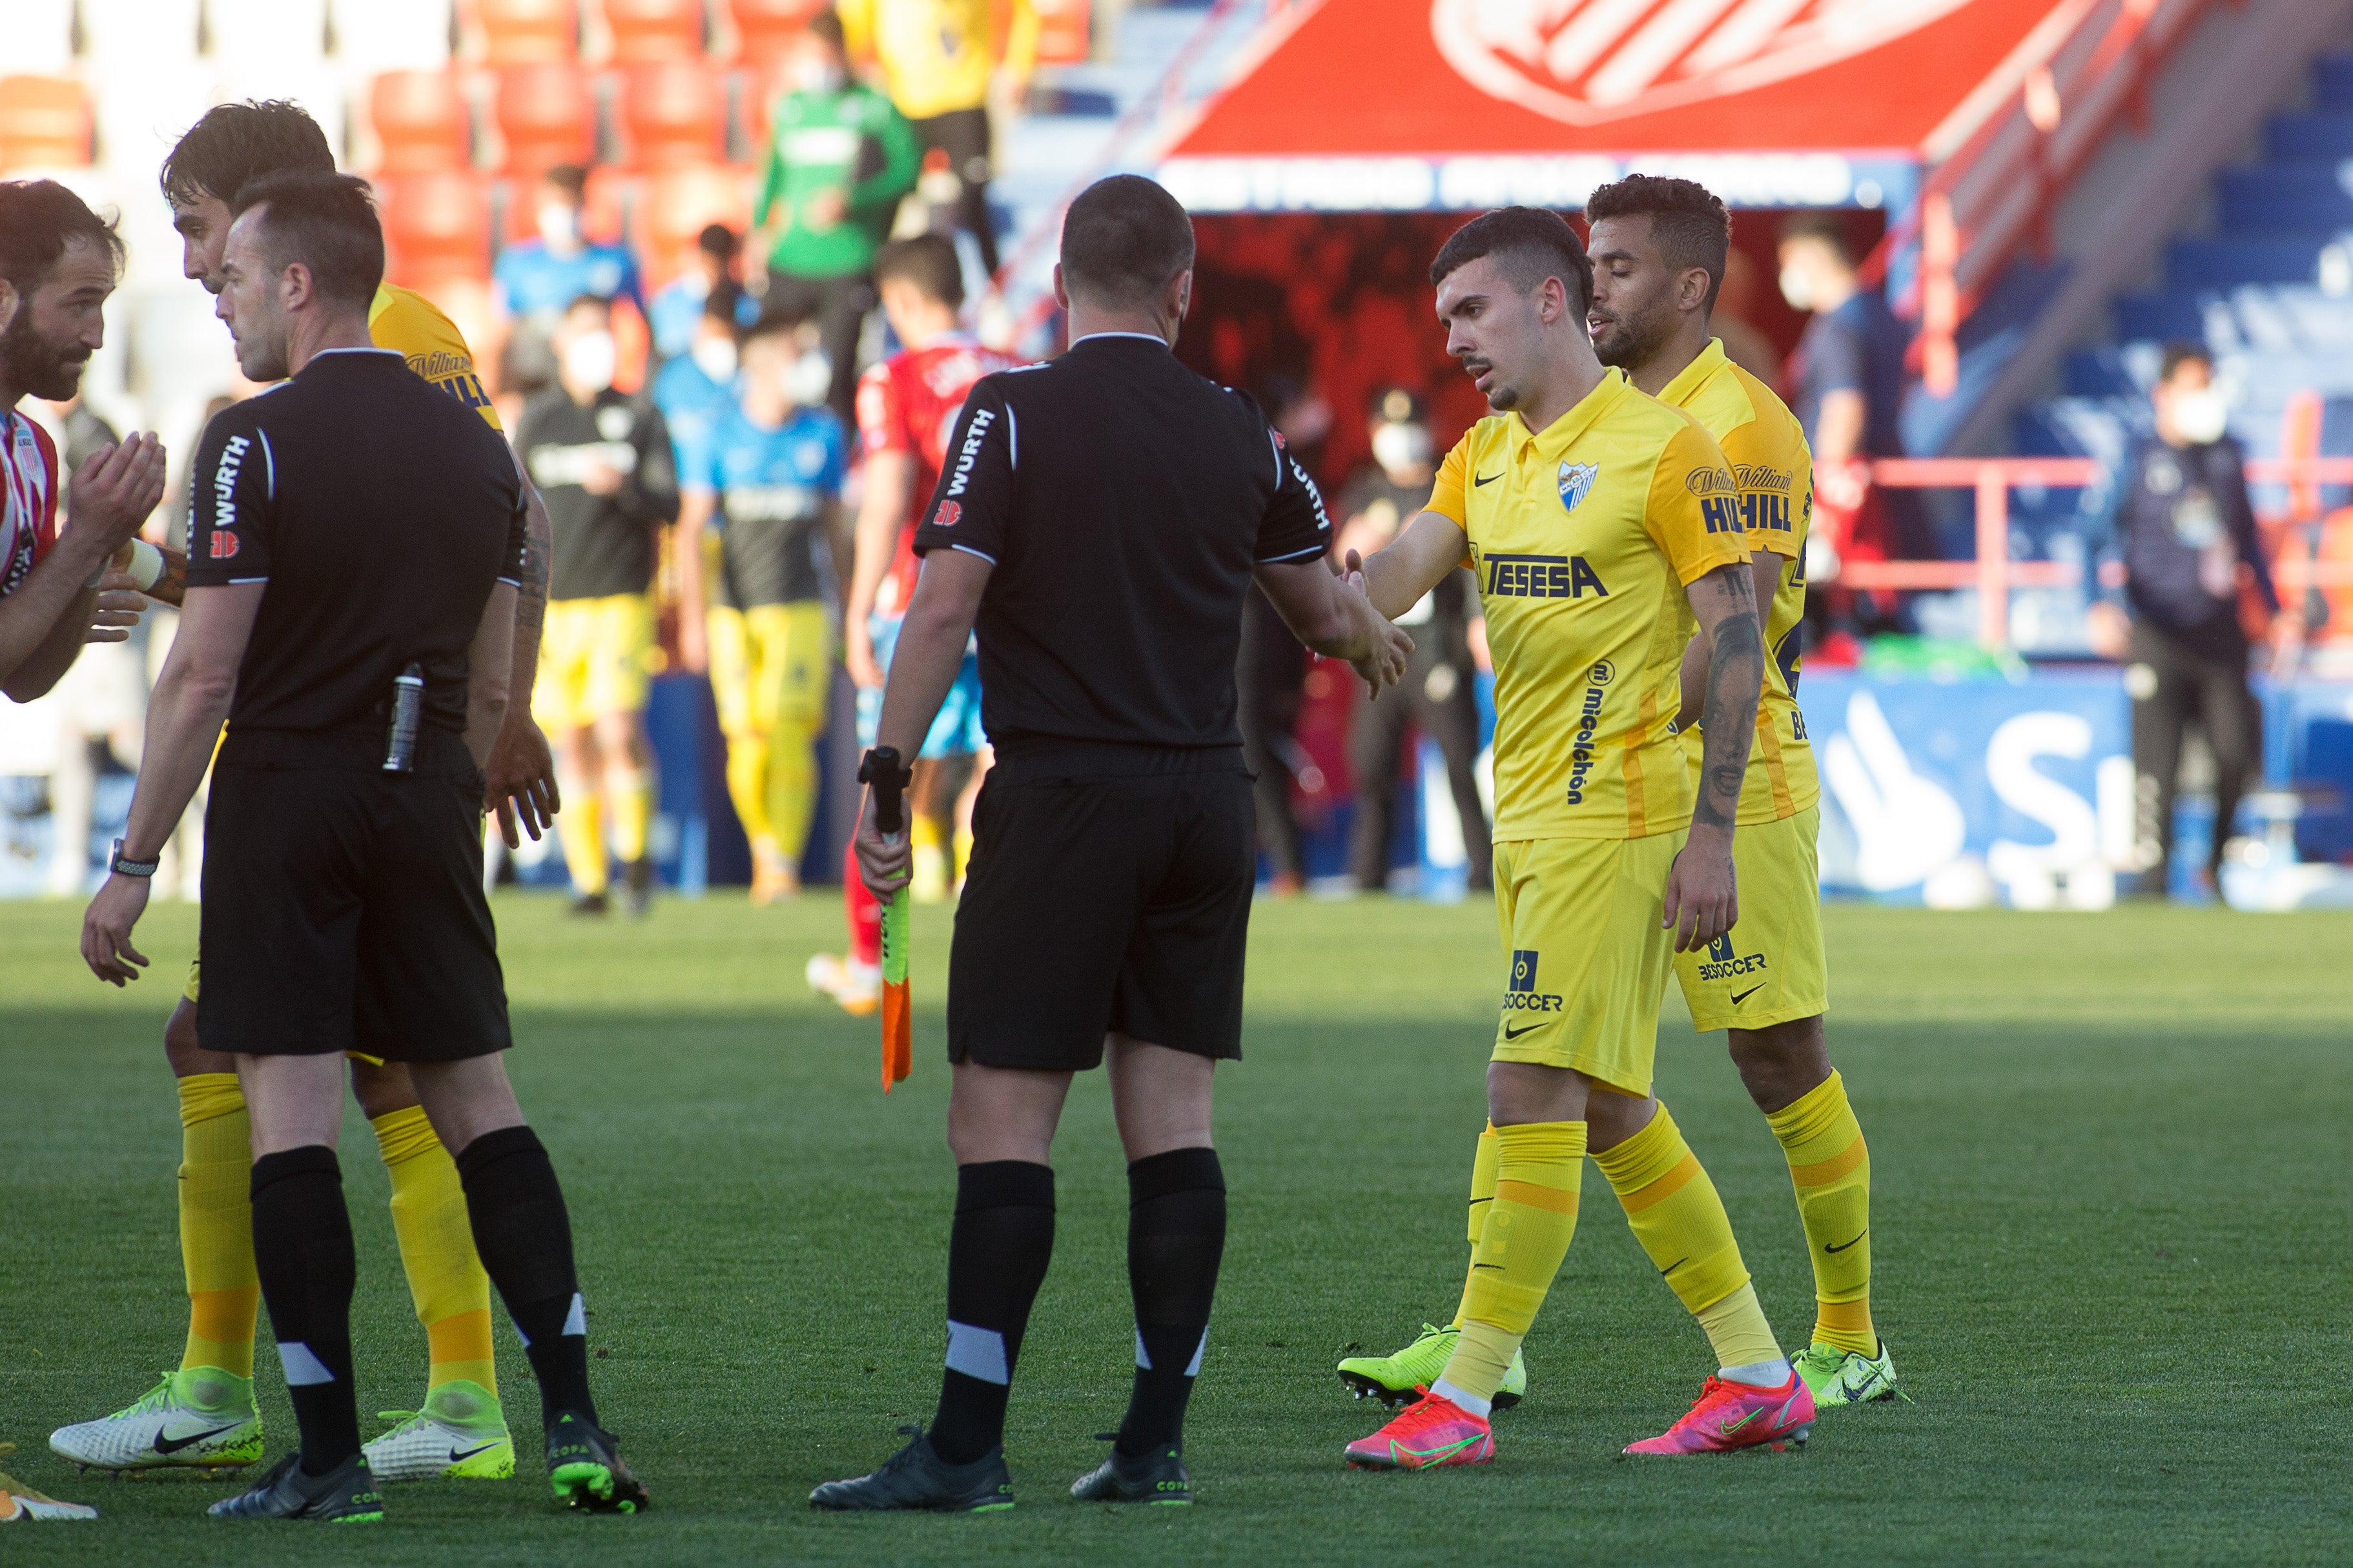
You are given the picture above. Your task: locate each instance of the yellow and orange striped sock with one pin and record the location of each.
(1829, 1167)
(216, 1222)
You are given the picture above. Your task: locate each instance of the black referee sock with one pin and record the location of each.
(524, 1234)
(1176, 1239)
(997, 1252)
(302, 1252)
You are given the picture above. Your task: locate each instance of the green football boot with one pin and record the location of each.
(1395, 1380)
(461, 1431)
(1846, 1377)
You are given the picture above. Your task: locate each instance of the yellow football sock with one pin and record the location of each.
(580, 828)
(1482, 1193)
(1831, 1168)
(216, 1222)
(1675, 1214)
(747, 786)
(962, 854)
(792, 785)
(633, 813)
(1530, 1223)
(437, 1249)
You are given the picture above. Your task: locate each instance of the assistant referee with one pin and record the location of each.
(354, 549)
(1099, 523)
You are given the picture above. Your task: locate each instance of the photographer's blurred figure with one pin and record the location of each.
(1436, 695)
(603, 461)
(2190, 561)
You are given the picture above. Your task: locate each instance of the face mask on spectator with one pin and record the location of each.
(2199, 415)
(1401, 445)
(811, 379)
(716, 357)
(1797, 289)
(558, 224)
(813, 74)
(589, 360)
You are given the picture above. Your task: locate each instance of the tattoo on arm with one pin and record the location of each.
(531, 602)
(1728, 716)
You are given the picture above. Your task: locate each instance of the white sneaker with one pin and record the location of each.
(201, 1416)
(19, 1502)
(858, 988)
(461, 1431)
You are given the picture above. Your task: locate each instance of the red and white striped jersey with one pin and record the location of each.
(29, 497)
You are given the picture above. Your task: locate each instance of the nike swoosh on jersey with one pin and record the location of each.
(1489, 480)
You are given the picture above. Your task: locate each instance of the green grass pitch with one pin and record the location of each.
(2109, 1227)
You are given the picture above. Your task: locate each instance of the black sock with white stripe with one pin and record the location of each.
(1176, 1239)
(524, 1234)
(302, 1252)
(998, 1251)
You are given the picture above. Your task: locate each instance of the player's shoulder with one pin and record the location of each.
(416, 329)
(1768, 414)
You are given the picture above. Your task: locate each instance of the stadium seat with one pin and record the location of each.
(768, 27)
(421, 122)
(45, 123)
(547, 114)
(647, 30)
(673, 112)
(1062, 30)
(437, 227)
(527, 32)
(678, 203)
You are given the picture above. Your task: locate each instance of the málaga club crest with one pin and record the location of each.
(1576, 479)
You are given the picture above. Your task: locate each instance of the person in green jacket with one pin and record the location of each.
(840, 158)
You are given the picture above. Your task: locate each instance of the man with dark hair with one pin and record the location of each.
(2185, 536)
(907, 408)
(351, 607)
(1593, 516)
(1102, 518)
(203, 1413)
(58, 262)
(676, 309)
(603, 459)
(535, 279)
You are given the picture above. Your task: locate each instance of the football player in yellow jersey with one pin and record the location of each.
(202, 1414)
(1604, 529)
(1659, 249)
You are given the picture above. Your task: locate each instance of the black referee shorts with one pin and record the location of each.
(1108, 893)
(344, 907)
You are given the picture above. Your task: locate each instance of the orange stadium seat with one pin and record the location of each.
(421, 122)
(437, 227)
(44, 122)
(768, 26)
(1062, 31)
(678, 203)
(527, 32)
(645, 30)
(674, 112)
(547, 113)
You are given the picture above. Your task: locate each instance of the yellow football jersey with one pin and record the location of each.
(414, 327)
(1583, 538)
(1765, 446)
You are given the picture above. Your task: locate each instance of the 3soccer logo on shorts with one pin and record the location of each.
(1522, 996)
(1722, 964)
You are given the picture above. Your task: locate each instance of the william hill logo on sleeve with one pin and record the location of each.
(1523, 996)
(1719, 498)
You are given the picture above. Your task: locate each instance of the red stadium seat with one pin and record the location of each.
(1062, 31)
(527, 32)
(548, 115)
(646, 30)
(437, 227)
(45, 123)
(421, 122)
(678, 203)
(674, 113)
(768, 27)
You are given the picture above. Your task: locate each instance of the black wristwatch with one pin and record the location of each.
(128, 868)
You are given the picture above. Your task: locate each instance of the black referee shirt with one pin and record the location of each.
(380, 511)
(1124, 502)
(604, 544)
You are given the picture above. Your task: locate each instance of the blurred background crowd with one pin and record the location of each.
(2070, 351)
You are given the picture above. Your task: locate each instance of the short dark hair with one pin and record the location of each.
(716, 240)
(929, 261)
(1688, 223)
(589, 302)
(1824, 227)
(725, 301)
(826, 29)
(234, 142)
(2181, 352)
(569, 178)
(38, 219)
(326, 222)
(771, 321)
(1123, 239)
(1529, 245)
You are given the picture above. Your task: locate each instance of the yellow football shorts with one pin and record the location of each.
(1769, 968)
(595, 657)
(770, 666)
(195, 978)
(1590, 962)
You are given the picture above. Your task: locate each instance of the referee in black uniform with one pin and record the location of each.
(355, 540)
(1100, 520)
